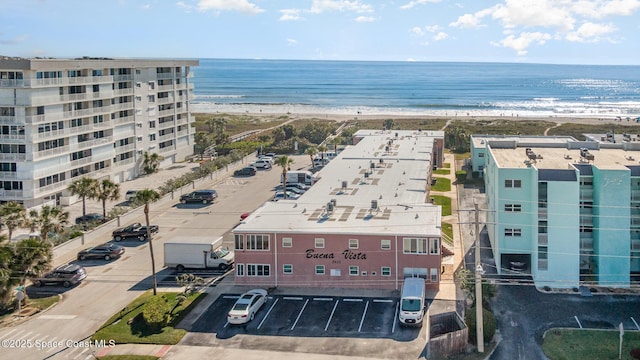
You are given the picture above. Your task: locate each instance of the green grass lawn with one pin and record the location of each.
(588, 344)
(43, 303)
(442, 171)
(443, 201)
(128, 357)
(442, 184)
(128, 326)
(447, 229)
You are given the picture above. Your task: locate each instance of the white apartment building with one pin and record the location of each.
(64, 118)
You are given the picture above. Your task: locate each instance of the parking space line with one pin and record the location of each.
(395, 319)
(300, 314)
(364, 313)
(323, 299)
(226, 324)
(331, 316)
(358, 300)
(7, 334)
(579, 324)
(634, 321)
(231, 297)
(268, 312)
(383, 300)
(292, 298)
(25, 335)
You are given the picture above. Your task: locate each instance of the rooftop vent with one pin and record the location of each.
(334, 202)
(344, 185)
(586, 154)
(530, 154)
(372, 165)
(330, 207)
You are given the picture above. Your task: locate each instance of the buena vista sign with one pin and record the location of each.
(347, 254)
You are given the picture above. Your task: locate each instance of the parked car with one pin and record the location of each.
(271, 155)
(130, 195)
(280, 196)
(265, 157)
(135, 230)
(261, 164)
(105, 251)
(203, 196)
(298, 186)
(244, 216)
(90, 218)
(245, 171)
(65, 275)
(246, 307)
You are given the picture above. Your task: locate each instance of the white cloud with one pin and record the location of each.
(427, 29)
(521, 43)
(365, 19)
(146, 6)
(467, 21)
(417, 31)
(539, 13)
(229, 5)
(292, 42)
(290, 15)
(620, 7)
(591, 32)
(417, 2)
(186, 7)
(440, 36)
(320, 6)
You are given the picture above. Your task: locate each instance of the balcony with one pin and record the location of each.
(94, 142)
(166, 124)
(167, 149)
(543, 239)
(8, 175)
(182, 121)
(165, 100)
(53, 187)
(543, 264)
(11, 193)
(34, 119)
(8, 120)
(79, 162)
(165, 76)
(51, 152)
(183, 133)
(124, 120)
(125, 148)
(13, 157)
(13, 138)
(542, 213)
(123, 106)
(123, 92)
(124, 162)
(586, 194)
(166, 112)
(166, 137)
(89, 112)
(126, 77)
(165, 87)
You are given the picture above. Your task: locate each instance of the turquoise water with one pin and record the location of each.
(355, 87)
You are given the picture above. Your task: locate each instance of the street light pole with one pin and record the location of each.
(478, 274)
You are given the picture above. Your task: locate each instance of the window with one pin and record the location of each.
(434, 246)
(287, 242)
(152, 124)
(239, 240)
(353, 243)
(258, 270)
(434, 275)
(385, 244)
(320, 270)
(513, 232)
(512, 207)
(415, 245)
(385, 271)
(354, 270)
(287, 269)
(543, 256)
(257, 242)
(152, 137)
(239, 269)
(513, 183)
(481, 155)
(319, 243)
(336, 272)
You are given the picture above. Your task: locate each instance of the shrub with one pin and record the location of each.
(488, 321)
(156, 312)
(635, 353)
(461, 175)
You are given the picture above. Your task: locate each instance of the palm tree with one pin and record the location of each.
(147, 196)
(151, 162)
(13, 216)
(219, 125)
(84, 187)
(32, 257)
(311, 151)
(284, 162)
(49, 219)
(322, 149)
(107, 190)
(7, 282)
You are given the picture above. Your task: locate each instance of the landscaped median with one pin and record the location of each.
(589, 344)
(150, 319)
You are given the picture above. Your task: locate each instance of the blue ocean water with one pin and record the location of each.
(430, 88)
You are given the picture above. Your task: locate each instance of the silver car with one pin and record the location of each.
(245, 309)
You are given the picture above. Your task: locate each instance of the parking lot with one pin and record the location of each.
(311, 316)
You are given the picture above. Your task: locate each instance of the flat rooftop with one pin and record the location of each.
(18, 63)
(378, 186)
(481, 141)
(563, 158)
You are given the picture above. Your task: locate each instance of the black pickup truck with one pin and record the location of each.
(135, 230)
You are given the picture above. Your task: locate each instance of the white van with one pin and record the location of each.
(300, 177)
(412, 302)
(328, 155)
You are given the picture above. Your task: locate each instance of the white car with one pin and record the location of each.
(280, 195)
(264, 157)
(261, 164)
(245, 309)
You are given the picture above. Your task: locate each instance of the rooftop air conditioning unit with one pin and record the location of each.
(374, 204)
(334, 202)
(329, 207)
(344, 185)
(372, 165)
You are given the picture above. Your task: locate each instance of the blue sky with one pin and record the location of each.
(541, 31)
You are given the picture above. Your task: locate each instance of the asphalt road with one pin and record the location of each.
(110, 286)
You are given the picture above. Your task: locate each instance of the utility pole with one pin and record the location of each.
(478, 268)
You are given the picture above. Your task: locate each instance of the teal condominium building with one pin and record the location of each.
(567, 212)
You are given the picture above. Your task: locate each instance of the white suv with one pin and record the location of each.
(261, 164)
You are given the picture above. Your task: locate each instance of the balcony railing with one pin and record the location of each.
(125, 148)
(542, 213)
(8, 175)
(167, 149)
(11, 193)
(51, 152)
(121, 92)
(166, 112)
(165, 87)
(94, 142)
(124, 120)
(66, 81)
(543, 239)
(165, 100)
(543, 264)
(165, 76)
(127, 77)
(13, 137)
(166, 137)
(13, 157)
(183, 132)
(586, 194)
(124, 162)
(53, 187)
(166, 124)
(8, 119)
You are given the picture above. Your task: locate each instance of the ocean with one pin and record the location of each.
(415, 88)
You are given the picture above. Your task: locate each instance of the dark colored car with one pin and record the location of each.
(65, 275)
(105, 251)
(246, 171)
(202, 196)
(135, 230)
(90, 218)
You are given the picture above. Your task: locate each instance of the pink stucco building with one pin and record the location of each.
(366, 223)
